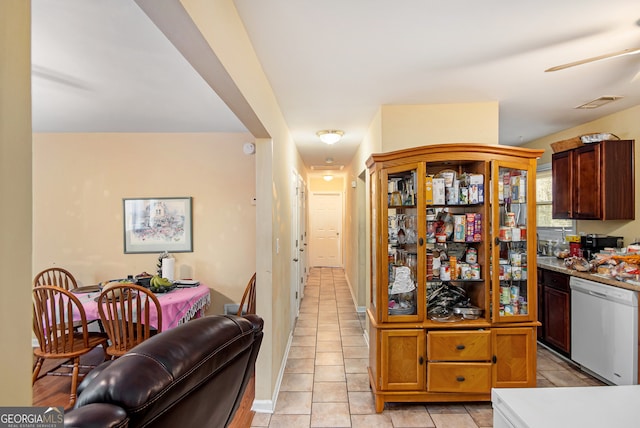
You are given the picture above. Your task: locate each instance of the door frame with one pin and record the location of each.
(340, 257)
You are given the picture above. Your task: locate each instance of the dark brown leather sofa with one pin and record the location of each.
(191, 376)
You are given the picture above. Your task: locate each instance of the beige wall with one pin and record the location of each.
(405, 126)
(79, 181)
(357, 214)
(277, 158)
(15, 192)
(319, 184)
(626, 125)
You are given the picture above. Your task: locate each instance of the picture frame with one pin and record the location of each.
(155, 225)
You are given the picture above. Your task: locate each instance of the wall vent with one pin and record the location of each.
(598, 102)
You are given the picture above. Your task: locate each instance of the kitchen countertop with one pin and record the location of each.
(557, 265)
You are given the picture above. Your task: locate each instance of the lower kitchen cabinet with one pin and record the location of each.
(556, 312)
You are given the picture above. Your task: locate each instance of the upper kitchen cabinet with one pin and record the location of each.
(595, 182)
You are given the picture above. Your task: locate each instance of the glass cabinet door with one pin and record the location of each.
(512, 289)
(403, 238)
(457, 264)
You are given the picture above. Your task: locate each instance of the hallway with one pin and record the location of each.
(325, 381)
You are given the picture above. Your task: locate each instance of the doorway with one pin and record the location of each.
(297, 249)
(325, 221)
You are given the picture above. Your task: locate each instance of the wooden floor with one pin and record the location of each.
(54, 390)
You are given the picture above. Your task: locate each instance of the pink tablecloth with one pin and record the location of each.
(178, 306)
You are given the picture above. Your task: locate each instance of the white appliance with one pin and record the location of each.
(584, 407)
(604, 330)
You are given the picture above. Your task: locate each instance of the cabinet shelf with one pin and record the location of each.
(401, 206)
(455, 205)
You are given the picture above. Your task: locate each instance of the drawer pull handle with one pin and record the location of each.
(460, 379)
(460, 347)
(421, 360)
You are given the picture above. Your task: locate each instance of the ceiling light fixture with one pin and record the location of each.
(328, 160)
(330, 136)
(328, 177)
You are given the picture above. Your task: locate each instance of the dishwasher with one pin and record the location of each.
(604, 331)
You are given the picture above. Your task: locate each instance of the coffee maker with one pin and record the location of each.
(593, 244)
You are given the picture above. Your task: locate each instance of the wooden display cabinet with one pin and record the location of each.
(453, 229)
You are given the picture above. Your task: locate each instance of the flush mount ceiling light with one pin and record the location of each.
(330, 136)
(328, 160)
(328, 177)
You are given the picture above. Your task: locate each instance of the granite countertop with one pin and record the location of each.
(557, 265)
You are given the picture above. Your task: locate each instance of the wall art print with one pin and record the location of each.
(153, 225)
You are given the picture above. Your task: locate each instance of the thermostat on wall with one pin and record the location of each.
(249, 148)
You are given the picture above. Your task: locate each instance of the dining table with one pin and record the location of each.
(178, 305)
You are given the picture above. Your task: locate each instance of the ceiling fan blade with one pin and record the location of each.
(595, 58)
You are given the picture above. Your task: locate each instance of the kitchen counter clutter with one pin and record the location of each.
(557, 265)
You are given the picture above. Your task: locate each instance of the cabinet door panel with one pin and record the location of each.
(514, 225)
(403, 362)
(515, 352)
(587, 201)
(557, 319)
(563, 187)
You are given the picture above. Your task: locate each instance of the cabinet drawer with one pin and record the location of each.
(459, 377)
(556, 280)
(459, 346)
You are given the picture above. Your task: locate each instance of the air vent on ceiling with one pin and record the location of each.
(598, 102)
(326, 167)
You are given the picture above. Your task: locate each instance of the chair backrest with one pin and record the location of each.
(56, 312)
(126, 314)
(248, 302)
(55, 276)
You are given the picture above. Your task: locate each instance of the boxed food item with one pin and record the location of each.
(452, 193)
(428, 186)
(459, 227)
(438, 191)
(476, 188)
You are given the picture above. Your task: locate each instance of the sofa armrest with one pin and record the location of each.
(88, 378)
(96, 415)
(256, 320)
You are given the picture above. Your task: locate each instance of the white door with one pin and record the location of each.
(302, 238)
(295, 246)
(325, 219)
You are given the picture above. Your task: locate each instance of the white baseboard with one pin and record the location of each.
(269, 406)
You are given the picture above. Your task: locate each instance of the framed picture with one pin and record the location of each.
(154, 225)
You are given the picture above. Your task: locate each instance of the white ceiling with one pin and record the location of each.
(102, 66)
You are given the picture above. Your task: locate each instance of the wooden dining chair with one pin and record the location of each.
(125, 312)
(56, 312)
(248, 302)
(55, 276)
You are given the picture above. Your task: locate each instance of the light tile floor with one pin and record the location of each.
(325, 381)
